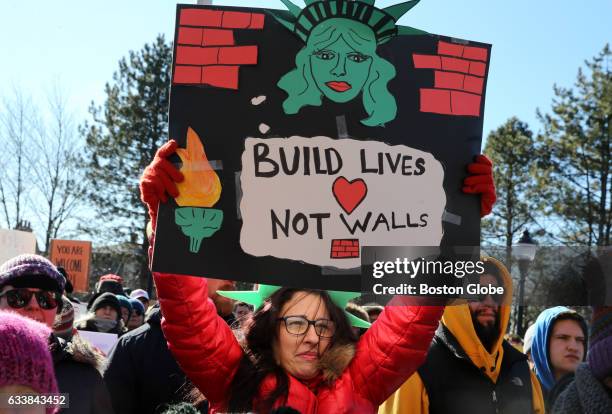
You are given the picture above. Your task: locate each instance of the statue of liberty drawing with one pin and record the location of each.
(339, 59)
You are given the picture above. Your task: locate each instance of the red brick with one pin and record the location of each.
(239, 55)
(201, 17)
(426, 61)
(457, 65)
(435, 100)
(257, 21)
(221, 76)
(236, 20)
(465, 103)
(346, 242)
(356, 243)
(478, 68)
(217, 37)
(352, 249)
(189, 36)
(476, 53)
(445, 48)
(338, 249)
(473, 84)
(189, 55)
(187, 74)
(449, 80)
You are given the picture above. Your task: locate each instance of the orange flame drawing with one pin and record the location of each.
(201, 187)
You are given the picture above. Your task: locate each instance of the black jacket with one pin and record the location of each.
(142, 375)
(455, 385)
(78, 370)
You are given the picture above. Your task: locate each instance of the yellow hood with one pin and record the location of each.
(458, 320)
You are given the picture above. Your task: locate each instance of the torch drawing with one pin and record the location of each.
(199, 192)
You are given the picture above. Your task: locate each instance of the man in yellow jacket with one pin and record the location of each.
(470, 368)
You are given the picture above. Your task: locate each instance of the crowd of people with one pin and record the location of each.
(286, 350)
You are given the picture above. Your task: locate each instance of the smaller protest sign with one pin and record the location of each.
(74, 256)
(16, 242)
(103, 341)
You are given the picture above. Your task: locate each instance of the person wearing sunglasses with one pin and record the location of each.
(470, 368)
(137, 316)
(31, 286)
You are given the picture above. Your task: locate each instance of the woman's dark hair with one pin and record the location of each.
(258, 362)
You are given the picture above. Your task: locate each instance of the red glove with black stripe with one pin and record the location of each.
(480, 181)
(158, 180)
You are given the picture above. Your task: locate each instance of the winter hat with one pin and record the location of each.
(24, 355)
(107, 299)
(528, 339)
(32, 271)
(64, 321)
(110, 283)
(124, 302)
(139, 293)
(600, 349)
(137, 306)
(110, 276)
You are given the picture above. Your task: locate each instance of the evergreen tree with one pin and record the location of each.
(575, 149)
(511, 147)
(122, 140)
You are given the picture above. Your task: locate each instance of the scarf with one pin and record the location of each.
(104, 325)
(585, 395)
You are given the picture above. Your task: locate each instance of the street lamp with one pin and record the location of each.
(524, 252)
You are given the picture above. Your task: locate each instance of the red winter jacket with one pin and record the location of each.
(207, 351)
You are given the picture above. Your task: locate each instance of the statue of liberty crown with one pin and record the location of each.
(382, 21)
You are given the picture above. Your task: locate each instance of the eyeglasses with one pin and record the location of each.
(19, 298)
(298, 325)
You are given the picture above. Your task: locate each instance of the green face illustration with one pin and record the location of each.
(341, 64)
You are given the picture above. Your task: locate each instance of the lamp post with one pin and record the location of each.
(524, 252)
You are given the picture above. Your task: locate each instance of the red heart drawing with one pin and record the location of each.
(349, 194)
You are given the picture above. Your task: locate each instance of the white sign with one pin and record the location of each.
(319, 200)
(16, 242)
(103, 341)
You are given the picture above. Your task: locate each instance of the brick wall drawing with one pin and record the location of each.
(206, 51)
(344, 248)
(458, 79)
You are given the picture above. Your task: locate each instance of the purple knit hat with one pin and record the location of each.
(24, 355)
(30, 270)
(600, 347)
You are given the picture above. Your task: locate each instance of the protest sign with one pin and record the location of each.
(103, 341)
(74, 256)
(308, 134)
(16, 242)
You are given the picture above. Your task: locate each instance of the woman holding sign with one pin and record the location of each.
(299, 350)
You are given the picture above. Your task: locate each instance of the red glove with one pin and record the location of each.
(480, 181)
(158, 180)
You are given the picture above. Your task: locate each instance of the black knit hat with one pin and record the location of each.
(107, 299)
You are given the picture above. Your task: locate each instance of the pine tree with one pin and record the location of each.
(575, 148)
(511, 147)
(122, 140)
